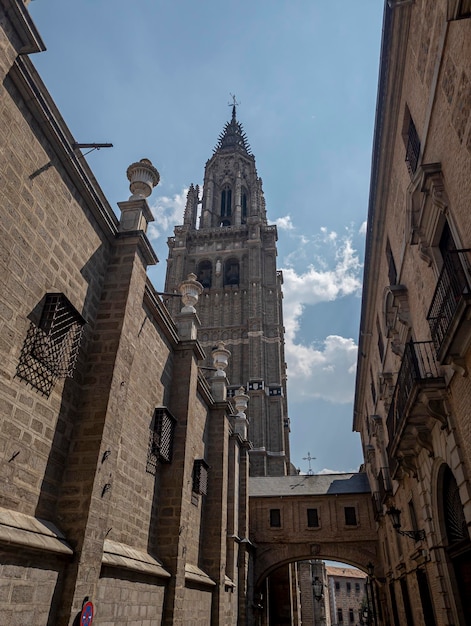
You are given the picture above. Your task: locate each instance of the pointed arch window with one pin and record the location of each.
(231, 272)
(244, 206)
(205, 273)
(226, 202)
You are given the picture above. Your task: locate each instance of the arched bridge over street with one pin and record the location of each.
(295, 518)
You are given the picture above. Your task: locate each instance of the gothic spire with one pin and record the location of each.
(233, 136)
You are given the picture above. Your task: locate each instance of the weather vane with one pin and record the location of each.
(309, 458)
(234, 102)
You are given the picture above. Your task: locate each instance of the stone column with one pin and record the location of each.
(86, 494)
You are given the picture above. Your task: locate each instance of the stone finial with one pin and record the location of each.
(220, 359)
(240, 419)
(240, 401)
(143, 177)
(190, 290)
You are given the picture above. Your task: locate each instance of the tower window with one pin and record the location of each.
(226, 203)
(231, 272)
(244, 207)
(205, 272)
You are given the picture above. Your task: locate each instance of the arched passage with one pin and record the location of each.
(293, 518)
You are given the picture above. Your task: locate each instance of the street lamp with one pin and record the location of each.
(317, 588)
(395, 514)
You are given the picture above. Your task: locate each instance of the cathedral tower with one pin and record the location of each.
(226, 241)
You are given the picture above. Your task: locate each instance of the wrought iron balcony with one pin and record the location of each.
(384, 484)
(450, 309)
(417, 394)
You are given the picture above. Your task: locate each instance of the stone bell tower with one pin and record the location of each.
(225, 240)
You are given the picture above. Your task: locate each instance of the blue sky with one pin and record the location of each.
(154, 77)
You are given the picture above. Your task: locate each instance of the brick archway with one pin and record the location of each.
(295, 518)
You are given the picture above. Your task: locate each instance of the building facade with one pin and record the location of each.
(348, 599)
(226, 241)
(413, 395)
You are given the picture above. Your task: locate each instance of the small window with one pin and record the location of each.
(412, 143)
(380, 340)
(275, 518)
(357, 587)
(340, 616)
(226, 202)
(350, 516)
(244, 206)
(351, 616)
(349, 587)
(200, 477)
(392, 272)
(204, 273)
(458, 9)
(337, 585)
(373, 388)
(231, 272)
(312, 518)
(162, 431)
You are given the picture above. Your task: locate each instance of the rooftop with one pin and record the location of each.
(347, 572)
(308, 484)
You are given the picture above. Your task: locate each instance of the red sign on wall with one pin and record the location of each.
(86, 617)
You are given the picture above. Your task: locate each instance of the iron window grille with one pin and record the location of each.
(51, 347)
(200, 477)
(412, 148)
(162, 433)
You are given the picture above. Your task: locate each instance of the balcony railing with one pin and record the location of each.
(419, 370)
(451, 296)
(384, 484)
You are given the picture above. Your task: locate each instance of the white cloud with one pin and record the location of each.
(363, 228)
(167, 212)
(327, 370)
(329, 471)
(284, 223)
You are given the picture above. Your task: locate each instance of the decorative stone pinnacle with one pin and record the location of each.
(220, 359)
(240, 400)
(190, 289)
(143, 177)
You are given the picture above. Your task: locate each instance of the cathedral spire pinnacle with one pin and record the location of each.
(233, 136)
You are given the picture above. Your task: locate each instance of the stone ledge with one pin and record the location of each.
(121, 556)
(28, 531)
(195, 575)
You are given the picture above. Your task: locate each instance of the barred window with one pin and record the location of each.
(51, 347)
(200, 477)
(412, 143)
(162, 431)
